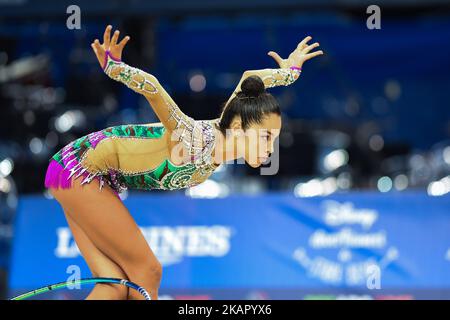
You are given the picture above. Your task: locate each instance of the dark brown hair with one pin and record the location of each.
(251, 104)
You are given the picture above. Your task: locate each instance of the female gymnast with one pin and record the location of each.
(176, 153)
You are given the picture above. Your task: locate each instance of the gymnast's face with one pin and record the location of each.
(256, 143)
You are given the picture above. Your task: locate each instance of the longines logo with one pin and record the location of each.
(170, 244)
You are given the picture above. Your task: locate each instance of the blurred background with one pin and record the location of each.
(359, 207)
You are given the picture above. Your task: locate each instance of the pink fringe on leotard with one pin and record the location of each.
(58, 177)
(52, 177)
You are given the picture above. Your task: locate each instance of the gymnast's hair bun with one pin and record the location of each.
(252, 86)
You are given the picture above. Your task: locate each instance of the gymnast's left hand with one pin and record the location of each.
(299, 55)
(110, 44)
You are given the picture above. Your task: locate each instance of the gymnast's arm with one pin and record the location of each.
(290, 68)
(270, 77)
(109, 55)
(148, 85)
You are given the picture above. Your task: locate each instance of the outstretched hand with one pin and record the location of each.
(298, 56)
(109, 44)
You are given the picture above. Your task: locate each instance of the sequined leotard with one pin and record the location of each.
(122, 157)
(136, 156)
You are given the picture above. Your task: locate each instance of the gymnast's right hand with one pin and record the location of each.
(109, 44)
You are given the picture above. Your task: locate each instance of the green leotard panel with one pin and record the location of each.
(165, 176)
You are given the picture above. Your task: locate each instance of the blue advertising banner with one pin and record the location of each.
(284, 246)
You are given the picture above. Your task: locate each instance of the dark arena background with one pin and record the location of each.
(359, 207)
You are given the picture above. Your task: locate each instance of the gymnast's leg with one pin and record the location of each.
(100, 266)
(106, 222)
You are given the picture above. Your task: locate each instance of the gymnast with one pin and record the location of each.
(87, 175)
